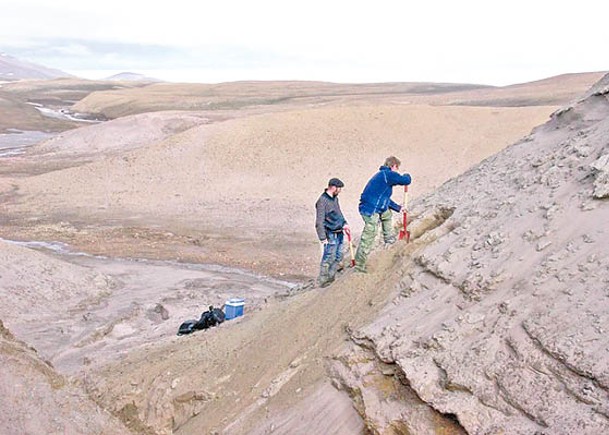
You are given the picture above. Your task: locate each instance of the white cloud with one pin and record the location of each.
(73, 50)
(467, 40)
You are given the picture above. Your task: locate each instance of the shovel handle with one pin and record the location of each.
(348, 233)
(404, 233)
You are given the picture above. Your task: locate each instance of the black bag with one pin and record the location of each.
(212, 317)
(187, 327)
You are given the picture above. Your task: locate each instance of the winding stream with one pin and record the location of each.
(16, 142)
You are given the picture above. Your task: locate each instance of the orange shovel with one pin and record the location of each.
(404, 233)
(348, 233)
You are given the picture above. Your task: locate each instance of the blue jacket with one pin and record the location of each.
(376, 197)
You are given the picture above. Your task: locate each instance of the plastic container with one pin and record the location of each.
(234, 308)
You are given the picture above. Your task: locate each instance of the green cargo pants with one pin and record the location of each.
(369, 235)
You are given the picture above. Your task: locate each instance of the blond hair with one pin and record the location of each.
(392, 160)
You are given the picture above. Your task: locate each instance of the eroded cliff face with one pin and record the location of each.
(501, 321)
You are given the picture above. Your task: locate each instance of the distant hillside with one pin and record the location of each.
(240, 95)
(12, 69)
(133, 77)
(557, 90)
(554, 91)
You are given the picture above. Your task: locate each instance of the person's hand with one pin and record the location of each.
(323, 242)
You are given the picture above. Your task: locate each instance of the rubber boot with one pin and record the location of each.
(324, 279)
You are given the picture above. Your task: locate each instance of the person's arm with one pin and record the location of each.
(320, 216)
(394, 206)
(346, 224)
(395, 178)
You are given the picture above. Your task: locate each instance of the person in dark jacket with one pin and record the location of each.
(329, 224)
(375, 206)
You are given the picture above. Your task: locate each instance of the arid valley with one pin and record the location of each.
(129, 207)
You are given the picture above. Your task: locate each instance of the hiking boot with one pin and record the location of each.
(325, 282)
(360, 269)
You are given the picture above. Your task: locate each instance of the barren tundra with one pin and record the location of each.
(148, 218)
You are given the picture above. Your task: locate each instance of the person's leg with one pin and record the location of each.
(366, 241)
(327, 260)
(387, 225)
(324, 264)
(338, 257)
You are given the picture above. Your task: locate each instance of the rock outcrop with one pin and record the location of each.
(501, 318)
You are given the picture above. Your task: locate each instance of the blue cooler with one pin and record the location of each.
(234, 308)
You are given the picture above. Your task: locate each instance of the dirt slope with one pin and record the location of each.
(549, 91)
(35, 399)
(223, 186)
(248, 372)
(238, 187)
(494, 323)
(500, 322)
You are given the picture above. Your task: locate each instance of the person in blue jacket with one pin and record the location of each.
(375, 206)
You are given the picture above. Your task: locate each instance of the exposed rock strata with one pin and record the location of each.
(502, 320)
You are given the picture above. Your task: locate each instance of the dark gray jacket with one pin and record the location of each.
(329, 217)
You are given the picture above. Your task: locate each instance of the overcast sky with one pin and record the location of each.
(465, 41)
